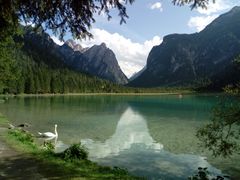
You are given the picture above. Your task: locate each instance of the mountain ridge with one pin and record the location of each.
(182, 59)
(98, 60)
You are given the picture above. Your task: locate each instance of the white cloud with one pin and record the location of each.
(215, 7)
(131, 56)
(56, 40)
(157, 5)
(200, 22)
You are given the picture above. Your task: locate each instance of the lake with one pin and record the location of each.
(151, 136)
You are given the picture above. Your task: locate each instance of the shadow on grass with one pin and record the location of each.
(24, 167)
(20, 167)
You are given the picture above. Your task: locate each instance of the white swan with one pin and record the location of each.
(49, 134)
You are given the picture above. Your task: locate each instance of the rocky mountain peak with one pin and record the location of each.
(97, 60)
(105, 63)
(103, 45)
(75, 46)
(70, 43)
(234, 10)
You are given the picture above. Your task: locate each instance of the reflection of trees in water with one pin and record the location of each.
(188, 107)
(77, 116)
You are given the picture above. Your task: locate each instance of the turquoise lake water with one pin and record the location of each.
(151, 136)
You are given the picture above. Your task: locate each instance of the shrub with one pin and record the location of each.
(75, 152)
(48, 146)
(204, 174)
(22, 136)
(119, 171)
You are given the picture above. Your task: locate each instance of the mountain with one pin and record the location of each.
(98, 60)
(182, 59)
(135, 75)
(76, 47)
(31, 63)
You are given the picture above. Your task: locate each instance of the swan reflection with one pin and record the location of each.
(131, 129)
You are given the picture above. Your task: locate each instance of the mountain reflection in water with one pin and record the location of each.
(131, 129)
(132, 147)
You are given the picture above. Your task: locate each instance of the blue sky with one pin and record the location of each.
(149, 21)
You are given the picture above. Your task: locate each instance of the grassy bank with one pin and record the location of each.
(141, 93)
(70, 164)
(123, 91)
(3, 120)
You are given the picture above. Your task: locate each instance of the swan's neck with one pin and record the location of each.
(56, 131)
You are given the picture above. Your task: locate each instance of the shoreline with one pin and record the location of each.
(27, 160)
(98, 94)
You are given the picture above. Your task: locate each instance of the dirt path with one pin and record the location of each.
(15, 165)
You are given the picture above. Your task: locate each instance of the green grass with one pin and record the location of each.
(3, 120)
(71, 164)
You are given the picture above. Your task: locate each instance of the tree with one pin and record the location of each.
(62, 16)
(8, 69)
(194, 3)
(222, 135)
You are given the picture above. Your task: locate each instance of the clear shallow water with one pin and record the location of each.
(152, 136)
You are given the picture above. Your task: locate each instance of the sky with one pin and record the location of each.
(149, 21)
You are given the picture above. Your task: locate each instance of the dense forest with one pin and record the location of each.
(27, 69)
(228, 80)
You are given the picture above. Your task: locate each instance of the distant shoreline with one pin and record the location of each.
(96, 94)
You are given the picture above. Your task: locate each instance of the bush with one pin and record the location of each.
(22, 136)
(204, 174)
(119, 171)
(75, 152)
(48, 146)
